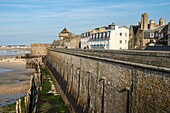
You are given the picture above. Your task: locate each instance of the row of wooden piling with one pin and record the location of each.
(31, 97)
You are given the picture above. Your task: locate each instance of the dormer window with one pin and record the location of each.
(102, 35)
(105, 34)
(156, 34)
(151, 35)
(108, 34)
(96, 35)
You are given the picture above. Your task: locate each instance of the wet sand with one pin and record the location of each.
(14, 83)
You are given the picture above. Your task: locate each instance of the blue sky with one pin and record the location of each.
(40, 21)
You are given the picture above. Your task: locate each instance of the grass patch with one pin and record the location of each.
(9, 108)
(48, 103)
(12, 107)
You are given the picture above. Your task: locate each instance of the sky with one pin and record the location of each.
(40, 21)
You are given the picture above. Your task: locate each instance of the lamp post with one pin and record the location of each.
(103, 79)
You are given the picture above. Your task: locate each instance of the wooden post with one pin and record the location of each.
(20, 106)
(17, 111)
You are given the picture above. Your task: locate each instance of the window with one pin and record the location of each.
(88, 33)
(162, 35)
(120, 41)
(108, 34)
(120, 34)
(101, 35)
(105, 34)
(125, 34)
(120, 48)
(151, 34)
(97, 35)
(125, 41)
(92, 36)
(156, 34)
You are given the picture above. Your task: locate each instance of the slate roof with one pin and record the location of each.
(156, 29)
(64, 31)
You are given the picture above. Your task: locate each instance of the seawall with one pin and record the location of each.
(112, 81)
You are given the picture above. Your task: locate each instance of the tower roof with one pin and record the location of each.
(64, 31)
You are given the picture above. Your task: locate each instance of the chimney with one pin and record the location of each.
(152, 24)
(139, 23)
(145, 21)
(161, 22)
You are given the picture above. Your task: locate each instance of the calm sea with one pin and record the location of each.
(3, 70)
(13, 52)
(10, 98)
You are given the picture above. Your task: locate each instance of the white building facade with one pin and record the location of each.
(85, 40)
(114, 37)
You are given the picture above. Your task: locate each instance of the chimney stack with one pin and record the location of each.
(161, 22)
(144, 21)
(152, 24)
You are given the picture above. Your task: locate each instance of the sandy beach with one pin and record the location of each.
(15, 82)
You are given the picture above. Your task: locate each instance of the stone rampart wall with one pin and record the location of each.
(101, 82)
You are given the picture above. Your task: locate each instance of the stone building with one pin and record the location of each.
(39, 49)
(157, 36)
(144, 34)
(67, 40)
(107, 37)
(169, 34)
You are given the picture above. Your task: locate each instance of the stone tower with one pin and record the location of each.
(152, 24)
(64, 34)
(161, 22)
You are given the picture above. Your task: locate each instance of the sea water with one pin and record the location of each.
(3, 70)
(13, 52)
(6, 99)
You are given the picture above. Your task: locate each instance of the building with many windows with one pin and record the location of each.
(157, 36)
(110, 37)
(85, 39)
(147, 34)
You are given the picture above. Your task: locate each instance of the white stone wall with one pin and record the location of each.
(111, 39)
(108, 39)
(84, 42)
(119, 39)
